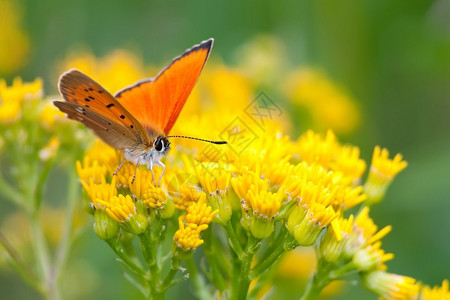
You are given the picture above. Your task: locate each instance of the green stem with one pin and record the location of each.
(124, 257)
(63, 249)
(211, 253)
(318, 281)
(42, 256)
(263, 265)
(197, 281)
(167, 282)
(11, 193)
(234, 242)
(239, 290)
(313, 288)
(20, 265)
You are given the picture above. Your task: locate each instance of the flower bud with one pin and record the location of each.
(104, 226)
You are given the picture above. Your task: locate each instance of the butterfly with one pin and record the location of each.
(138, 119)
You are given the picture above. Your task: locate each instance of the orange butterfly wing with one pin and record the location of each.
(95, 107)
(157, 103)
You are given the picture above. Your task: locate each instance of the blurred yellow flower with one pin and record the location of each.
(14, 40)
(114, 71)
(12, 98)
(436, 292)
(390, 286)
(329, 105)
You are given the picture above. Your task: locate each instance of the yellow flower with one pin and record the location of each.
(349, 197)
(50, 149)
(188, 237)
(260, 207)
(329, 105)
(362, 244)
(390, 286)
(11, 98)
(125, 173)
(122, 209)
(104, 154)
(312, 148)
(14, 40)
(103, 191)
(264, 204)
(199, 212)
(435, 293)
(149, 195)
(50, 115)
(214, 178)
(371, 257)
(188, 195)
(333, 241)
(306, 192)
(115, 71)
(382, 172)
(348, 163)
(306, 223)
(90, 170)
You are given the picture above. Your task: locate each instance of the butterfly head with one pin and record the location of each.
(162, 145)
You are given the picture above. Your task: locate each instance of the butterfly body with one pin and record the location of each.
(138, 119)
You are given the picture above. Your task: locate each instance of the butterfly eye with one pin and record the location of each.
(158, 144)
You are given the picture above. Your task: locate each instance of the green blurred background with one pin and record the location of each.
(392, 57)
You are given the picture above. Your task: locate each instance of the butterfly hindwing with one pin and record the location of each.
(116, 135)
(82, 91)
(157, 103)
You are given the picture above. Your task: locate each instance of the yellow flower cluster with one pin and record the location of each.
(12, 98)
(329, 105)
(196, 219)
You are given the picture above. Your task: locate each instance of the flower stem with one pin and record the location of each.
(240, 288)
(198, 281)
(318, 281)
(124, 257)
(233, 240)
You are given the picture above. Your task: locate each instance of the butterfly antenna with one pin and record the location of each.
(197, 139)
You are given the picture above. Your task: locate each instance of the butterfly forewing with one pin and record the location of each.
(157, 103)
(99, 110)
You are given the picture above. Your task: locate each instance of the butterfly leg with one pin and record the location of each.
(120, 166)
(150, 166)
(162, 172)
(135, 170)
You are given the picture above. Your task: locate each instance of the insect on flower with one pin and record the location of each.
(138, 119)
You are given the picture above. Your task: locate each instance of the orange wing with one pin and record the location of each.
(156, 103)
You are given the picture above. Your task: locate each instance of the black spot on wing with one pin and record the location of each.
(92, 98)
(110, 105)
(87, 99)
(122, 117)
